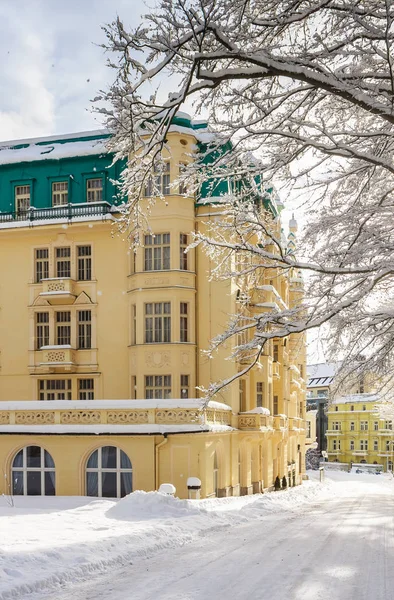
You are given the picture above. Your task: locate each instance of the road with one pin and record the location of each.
(339, 549)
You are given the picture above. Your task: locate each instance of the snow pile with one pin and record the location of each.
(152, 505)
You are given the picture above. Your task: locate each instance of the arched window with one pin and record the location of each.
(33, 472)
(109, 473)
(215, 474)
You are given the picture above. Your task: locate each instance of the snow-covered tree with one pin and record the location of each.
(307, 87)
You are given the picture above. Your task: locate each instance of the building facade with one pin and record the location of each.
(357, 433)
(101, 347)
(320, 378)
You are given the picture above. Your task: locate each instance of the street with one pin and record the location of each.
(340, 548)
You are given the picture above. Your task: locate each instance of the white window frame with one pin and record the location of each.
(59, 193)
(94, 193)
(100, 470)
(22, 198)
(25, 469)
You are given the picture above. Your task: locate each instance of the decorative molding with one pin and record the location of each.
(4, 418)
(88, 417)
(178, 416)
(127, 416)
(34, 418)
(158, 359)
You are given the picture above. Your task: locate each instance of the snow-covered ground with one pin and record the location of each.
(61, 547)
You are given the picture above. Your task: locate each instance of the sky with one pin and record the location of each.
(51, 63)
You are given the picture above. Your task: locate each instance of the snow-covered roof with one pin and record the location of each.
(55, 147)
(357, 398)
(321, 374)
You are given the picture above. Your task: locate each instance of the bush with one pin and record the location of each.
(284, 482)
(277, 483)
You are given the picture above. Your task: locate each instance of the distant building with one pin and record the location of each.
(357, 433)
(320, 377)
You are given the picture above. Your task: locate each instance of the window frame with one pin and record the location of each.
(157, 325)
(84, 262)
(43, 262)
(86, 390)
(94, 177)
(153, 387)
(61, 261)
(157, 252)
(19, 184)
(118, 469)
(56, 390)
(25, 469)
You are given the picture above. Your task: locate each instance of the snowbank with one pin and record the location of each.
(152, 505)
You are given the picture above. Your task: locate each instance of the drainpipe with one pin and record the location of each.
(157, 448)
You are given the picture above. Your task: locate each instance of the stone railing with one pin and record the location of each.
(108, 416)
(255, 421)
(296, 423)
(280, 422)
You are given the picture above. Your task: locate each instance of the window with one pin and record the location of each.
(63, 329)
(134, 387)
(84, 254)
(41, 264)
(184, 334)
(363, 444)
(184, 386)
(157, 322)
(22, 198)
(321, 393)
(59, 193)
(276, 405)
(63, 262)
(94, 190)
(42, 329)
(336, 425)
(215, 474)
(54, 389)
(276, 353)
(352, 407)
(157, 387)
(336, 409)
(33, 472)
(336, 444)
(182, 186)
(351, 444)
(375, 445)
(157, 252)
(84, 329)
(376, 425)
(364, 407)
(159, 184)
(242, 395)
(85, 389)
(364, 425)
(352, 426)
(183, 259)
(109, 473)
(388, 425)
(259, 393)
(133, 325)
(388, 445)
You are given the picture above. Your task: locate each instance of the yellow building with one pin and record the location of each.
(101, 348)
(357, 433)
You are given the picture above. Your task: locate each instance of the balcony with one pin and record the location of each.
(63, 357)
(102, 414)
(296, 424)
(334, 432)
(247, 421)
(280, 422)
(359, 452)
(66, 212)
(58, 290)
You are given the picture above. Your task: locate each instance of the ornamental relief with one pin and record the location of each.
(4, 418)
(34, 418)
(127, 417)
(156, 281)
(56, 356)
(247, 422)
(210, 415)
(157, 359)
(75, 417)
(56, 286)
(178, 416)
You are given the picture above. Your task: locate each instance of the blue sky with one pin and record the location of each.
(51, 65)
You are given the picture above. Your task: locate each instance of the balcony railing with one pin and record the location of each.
(67, 211)
(254, 421)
